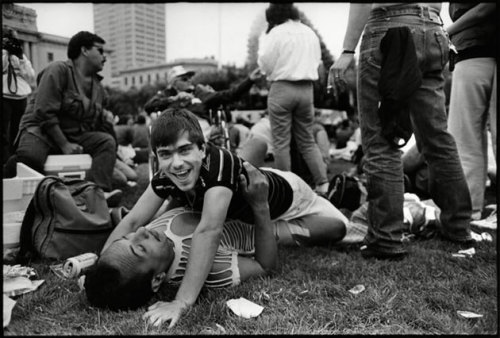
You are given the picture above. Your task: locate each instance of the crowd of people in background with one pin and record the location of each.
(64, 112)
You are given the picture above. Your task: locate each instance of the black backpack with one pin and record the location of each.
(66, 217)
(346, 192)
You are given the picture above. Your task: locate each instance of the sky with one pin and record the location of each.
(193, 29)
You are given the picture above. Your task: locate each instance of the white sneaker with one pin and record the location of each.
(489, 222)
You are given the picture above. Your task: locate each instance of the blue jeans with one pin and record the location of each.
(33, 149)
(291, 110)
(383, 167)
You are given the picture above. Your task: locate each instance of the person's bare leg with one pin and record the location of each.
(310, 230)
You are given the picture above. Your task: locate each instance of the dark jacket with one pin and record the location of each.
(400, 77)
(209, 99)
(57, 100)
(479, 40)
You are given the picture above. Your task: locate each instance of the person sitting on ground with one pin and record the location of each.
(140, 139)
(199, 99)
(123, 130)
(321, 137)
(204, 177)
(65, 114)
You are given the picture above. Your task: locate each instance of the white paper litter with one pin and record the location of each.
(484, 236)
(357, 289)
(8, 305)
(468, 314)
(10, 271)
(20, 285)
(469, 252)
(244, 308)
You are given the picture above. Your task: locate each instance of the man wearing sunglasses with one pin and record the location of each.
(65, 115)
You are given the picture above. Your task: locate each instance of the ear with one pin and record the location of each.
(204, 150)
(157, 280)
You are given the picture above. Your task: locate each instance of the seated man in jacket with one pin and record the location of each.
(199, 99)
(65, 114)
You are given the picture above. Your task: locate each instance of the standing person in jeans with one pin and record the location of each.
(383, 167)
(65, 114)
(473, 100)
(290, 55)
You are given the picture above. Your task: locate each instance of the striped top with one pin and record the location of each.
(222, 168)
(237, 239)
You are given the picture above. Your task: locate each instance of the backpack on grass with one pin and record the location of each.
(346, 192)
(66, 217)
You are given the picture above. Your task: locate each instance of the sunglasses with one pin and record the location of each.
(184, 78)
(99, 49)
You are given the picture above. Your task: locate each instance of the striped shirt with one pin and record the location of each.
(222, 168)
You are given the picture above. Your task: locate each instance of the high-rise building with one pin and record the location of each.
(135, 32)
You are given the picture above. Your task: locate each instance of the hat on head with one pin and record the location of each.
(177, 71)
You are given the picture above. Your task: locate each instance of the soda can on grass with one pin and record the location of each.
(74, 266)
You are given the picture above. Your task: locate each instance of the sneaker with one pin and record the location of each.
(368, 252)
(113, 198)
(489, 222)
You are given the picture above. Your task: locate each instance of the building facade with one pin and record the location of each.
(40, 48)
(135, 32)
(141, 76)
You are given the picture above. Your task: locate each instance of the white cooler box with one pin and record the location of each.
(17, 194)
(74, 166)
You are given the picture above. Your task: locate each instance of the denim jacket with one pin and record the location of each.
(57, 100)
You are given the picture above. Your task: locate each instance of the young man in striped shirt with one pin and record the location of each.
(205, 178)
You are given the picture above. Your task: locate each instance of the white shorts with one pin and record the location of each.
(305, 201)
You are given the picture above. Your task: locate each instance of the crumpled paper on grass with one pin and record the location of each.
(8, 305)
(468, 314)
(244, 308)
(357, 289)
(16, 281)
(465, 253)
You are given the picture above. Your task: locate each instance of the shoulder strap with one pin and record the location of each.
(26, 252)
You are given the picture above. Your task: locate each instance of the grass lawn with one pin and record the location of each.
(309, 295)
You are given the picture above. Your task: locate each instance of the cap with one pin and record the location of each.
(177, 71)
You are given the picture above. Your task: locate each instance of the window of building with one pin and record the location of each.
(157, 77)
(140, 79)
(126, 80)
(133, 80)
(50, 56)
(149, 78)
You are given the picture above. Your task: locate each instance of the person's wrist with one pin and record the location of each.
(260, 208)
(184, 303)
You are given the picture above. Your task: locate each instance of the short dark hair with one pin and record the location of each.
(82, 39)
(278, 13)
(105, 287)
(141, 119)
(171, 123)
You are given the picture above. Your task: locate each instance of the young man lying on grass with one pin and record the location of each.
(205, 178)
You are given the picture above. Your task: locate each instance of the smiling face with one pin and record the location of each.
(140, 252)
(181, 162)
